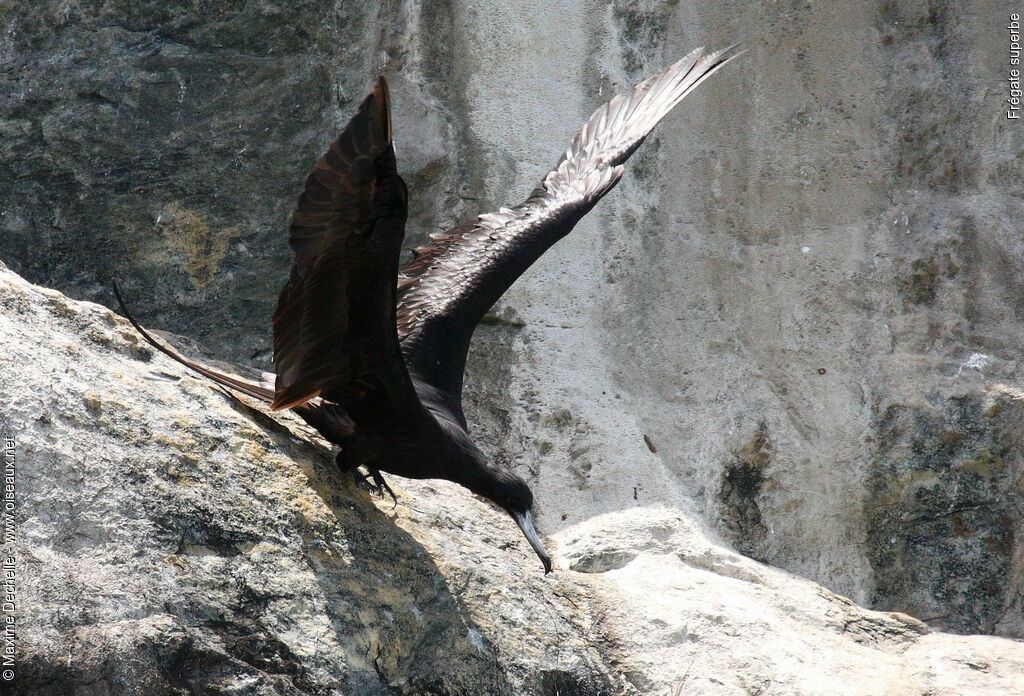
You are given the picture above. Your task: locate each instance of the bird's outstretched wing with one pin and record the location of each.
(451, 283)
(334, 329)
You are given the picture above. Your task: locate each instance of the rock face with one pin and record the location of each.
(791, 330)
(175, 540)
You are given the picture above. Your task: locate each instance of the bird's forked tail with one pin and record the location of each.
(253, 390)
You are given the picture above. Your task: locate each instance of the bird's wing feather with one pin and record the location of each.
(334, 329)
(451, 283)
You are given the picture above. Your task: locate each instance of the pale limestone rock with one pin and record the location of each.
(174, 540)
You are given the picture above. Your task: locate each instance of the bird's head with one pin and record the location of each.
(517, 500)
(511, 494)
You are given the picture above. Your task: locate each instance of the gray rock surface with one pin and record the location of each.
(795, 325)
(175, 540)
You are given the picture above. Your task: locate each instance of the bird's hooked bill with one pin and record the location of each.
(525, 522)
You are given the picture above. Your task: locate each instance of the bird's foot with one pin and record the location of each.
(374, 483)
(382, 487)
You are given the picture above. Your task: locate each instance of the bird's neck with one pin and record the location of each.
(465, 464)
(482, 476)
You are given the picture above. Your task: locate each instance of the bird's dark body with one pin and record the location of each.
(419, 448)
(377, 366)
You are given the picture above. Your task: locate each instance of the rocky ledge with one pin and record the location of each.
(173, 539)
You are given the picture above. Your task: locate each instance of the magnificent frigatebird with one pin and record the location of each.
(376, 365)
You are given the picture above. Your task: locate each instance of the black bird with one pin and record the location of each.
(375, 365)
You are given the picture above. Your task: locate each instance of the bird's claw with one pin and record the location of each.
(383, 487)
(377, 486)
